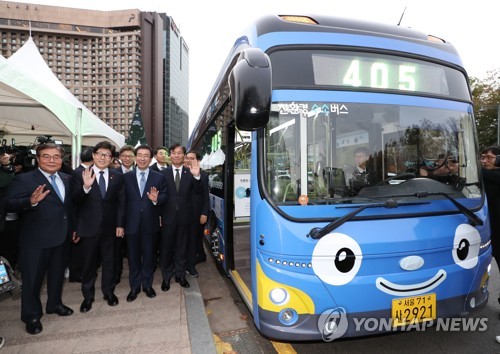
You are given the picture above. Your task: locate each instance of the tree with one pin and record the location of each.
(486, 98)
(136, 132)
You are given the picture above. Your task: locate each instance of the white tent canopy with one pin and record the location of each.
(34, 102)
(22, 114)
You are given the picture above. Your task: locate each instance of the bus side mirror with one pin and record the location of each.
(250, 84)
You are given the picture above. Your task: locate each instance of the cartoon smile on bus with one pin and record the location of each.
(337, 258)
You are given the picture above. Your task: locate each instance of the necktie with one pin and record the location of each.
(56, 188)
(102, 184)
(177, 179)
(142, 183)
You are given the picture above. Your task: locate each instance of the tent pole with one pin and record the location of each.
(76, 147)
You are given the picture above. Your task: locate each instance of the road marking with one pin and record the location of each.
(283, 348)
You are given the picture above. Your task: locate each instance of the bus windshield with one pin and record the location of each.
(340, 152)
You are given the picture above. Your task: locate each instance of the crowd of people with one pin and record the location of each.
(111, 207)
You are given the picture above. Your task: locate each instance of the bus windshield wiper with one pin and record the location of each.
(473, 218)
(318, 232)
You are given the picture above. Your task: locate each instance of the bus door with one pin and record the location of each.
(239, 153)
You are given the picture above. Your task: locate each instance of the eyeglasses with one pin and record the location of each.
(140, 156)
(103, 154)
(127, 156)
(49, 157)
(487, 157)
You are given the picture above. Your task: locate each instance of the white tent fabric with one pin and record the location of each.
(25, 114)
(215, 158)
(29, 59)
(32, 99)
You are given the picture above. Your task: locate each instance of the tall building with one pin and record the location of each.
(107, 59)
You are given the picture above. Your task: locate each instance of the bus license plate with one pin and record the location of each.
(409, 310)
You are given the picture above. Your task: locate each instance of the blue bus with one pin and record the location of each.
(344, 179)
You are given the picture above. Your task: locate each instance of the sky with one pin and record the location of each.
(211, 27)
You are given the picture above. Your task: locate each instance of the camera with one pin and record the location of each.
(24, 156)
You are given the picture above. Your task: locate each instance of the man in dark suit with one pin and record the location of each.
(75, 254)
(201, 207)
(160, 155)
(177, 216)
(145, 192)
(99, 193)
(127, 159)
(42, 200)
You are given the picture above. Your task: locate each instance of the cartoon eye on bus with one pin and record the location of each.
(344, 175)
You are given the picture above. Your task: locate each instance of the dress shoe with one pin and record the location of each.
(86, 305)
(182, 282)
(34, 326)
(61, 310)
(132, 295)
(192, 272)
(150, 292)
(165, 286)
(111, 299)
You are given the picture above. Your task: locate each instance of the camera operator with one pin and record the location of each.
(6, 175)
(9, 225)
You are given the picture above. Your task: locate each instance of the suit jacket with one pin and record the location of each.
(120, 169)
(96, 214)
(155, 167)
(140, 211)
(179, 205)
(50, 222)
(201, 201)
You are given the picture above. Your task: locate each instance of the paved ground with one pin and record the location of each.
(172, 322)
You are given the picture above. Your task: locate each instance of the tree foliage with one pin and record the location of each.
(486, 99)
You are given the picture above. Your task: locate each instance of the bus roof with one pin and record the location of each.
(331, 24)
(321, 24)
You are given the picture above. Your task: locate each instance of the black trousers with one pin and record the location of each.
(95, 251)
(35, 265)
(195, 249)
(75, 262)
(173, 248)
(141, 259)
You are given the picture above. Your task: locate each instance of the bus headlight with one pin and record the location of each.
(279, 296)
(288, 316)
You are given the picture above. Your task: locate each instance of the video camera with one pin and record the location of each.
(8, 281)
(25, 155)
